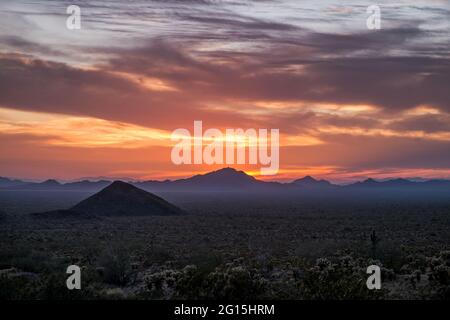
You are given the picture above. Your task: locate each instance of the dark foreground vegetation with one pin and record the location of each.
(230, 246)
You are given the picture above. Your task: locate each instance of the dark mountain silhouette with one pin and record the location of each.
(50, 184)
(121, 198)
(227, 179)
(54, 185)
(369, 182)
(309, 181)
(222, 177)
(400, 183)
(8, 183)
(117, 199)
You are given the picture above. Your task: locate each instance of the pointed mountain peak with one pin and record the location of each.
(228, 171)
(310, 181)
(370, 180)
(51, 182)
(222, 177)
(307, 179)
(121, 198)
(120, 185)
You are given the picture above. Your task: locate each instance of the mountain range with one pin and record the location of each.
(226, 179)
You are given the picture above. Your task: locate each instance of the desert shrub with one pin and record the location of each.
(341, 279)
(191, 283)
(53, 287)
(392, 256)
(413, 263)
(162, 285)
(439, 275)
(116, 266)
(440, 268)
(187, 282)
(47, 287)
(16, 288)
(233, 281)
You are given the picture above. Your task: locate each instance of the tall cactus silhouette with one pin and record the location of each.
(374, 239)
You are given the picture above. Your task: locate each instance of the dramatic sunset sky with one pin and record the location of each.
(102, 101)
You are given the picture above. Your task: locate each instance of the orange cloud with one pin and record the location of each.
(74, 131)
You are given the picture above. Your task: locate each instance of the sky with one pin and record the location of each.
(349, 102)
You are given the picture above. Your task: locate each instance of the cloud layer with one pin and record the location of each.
(362, 99)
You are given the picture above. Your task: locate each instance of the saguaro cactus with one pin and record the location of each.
(374, 241)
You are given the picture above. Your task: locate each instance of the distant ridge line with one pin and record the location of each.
(226, 179)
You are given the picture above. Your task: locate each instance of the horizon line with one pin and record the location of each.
(283, 181)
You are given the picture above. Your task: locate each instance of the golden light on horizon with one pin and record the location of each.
(75, 131)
